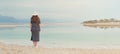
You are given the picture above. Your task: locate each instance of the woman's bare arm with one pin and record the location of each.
(30, 27)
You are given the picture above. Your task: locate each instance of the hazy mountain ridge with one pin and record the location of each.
(10, 19)
(7, 19)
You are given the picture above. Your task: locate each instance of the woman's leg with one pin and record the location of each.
(35, 43)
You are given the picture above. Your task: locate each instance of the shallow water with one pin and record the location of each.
(64, 35)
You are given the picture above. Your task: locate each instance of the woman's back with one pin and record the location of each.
(35, 27)
(35, 21)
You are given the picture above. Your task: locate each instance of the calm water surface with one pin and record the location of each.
(64, 35)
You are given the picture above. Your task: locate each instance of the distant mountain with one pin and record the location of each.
(9, 19)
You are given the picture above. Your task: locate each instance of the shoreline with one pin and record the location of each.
(67, 45)
(27, 25)
(60, 45)
(19, 49)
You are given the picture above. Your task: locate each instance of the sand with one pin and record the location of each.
(19, 49)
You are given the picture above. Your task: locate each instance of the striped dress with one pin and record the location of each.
(35, 32)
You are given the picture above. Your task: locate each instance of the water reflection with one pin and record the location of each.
(103, 26)
(7, 28)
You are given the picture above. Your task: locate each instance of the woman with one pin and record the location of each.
(35, 29)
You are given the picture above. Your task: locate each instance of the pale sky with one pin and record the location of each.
(61, 9)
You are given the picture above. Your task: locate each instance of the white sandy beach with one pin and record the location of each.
(19, 49)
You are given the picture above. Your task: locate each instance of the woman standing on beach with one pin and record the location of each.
(35, 29)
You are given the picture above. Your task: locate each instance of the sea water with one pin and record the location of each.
(63, 35)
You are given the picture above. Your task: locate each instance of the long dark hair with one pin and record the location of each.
(35, 19)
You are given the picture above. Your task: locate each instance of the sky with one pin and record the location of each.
(75, 10)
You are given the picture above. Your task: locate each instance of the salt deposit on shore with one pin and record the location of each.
(18, 49)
